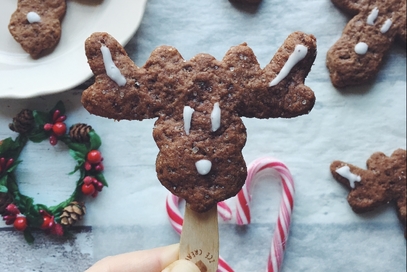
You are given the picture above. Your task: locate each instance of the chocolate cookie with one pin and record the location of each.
(356, 57)
(36, 24)
(198, 104)
(383, 182)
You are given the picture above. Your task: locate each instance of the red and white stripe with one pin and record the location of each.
(282, 229)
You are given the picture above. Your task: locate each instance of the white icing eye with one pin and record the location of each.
(386, 26)
(361, 48)
(111, 70)
(299, 53)
(372, 16)
(188, 111)
(215, 117)
(203, 166)
(345, 172)
(33, 17)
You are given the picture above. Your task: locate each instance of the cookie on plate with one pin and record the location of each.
(36, 25)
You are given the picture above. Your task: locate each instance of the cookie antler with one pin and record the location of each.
(198, 104)
(278, 90)
(36, 24)
(356, 57)
(384, 181)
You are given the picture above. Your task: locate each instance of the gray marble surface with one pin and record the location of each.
(348, 124)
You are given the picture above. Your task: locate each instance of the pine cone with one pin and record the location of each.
(23, 122)
(72, 213)
(80, 133)
(5, 200)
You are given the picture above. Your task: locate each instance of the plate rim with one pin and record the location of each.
(12, 90)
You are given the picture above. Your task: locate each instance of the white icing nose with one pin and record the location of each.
(33, 17)
(203, 166)
(361, 48)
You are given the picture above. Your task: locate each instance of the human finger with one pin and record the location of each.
(150, 260)
(181, 266)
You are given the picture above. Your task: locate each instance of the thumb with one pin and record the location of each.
(181, 266)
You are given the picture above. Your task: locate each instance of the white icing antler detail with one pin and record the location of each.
(345, 172)
(299, 53)
(111, 69)
(372, 16)
(215, 117)
(188, 111)
(386, 26)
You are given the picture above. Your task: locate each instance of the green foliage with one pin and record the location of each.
(10, 148)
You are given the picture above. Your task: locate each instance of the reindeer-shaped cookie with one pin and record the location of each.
(36, 24)
(384, 181)
(198, 103)
(356, 57)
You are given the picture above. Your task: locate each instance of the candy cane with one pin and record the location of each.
(176, 221)
(281, 232)
(243, 217)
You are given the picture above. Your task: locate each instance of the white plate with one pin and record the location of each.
(66, 67)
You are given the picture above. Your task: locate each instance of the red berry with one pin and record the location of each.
(60, 119)
(12, 208)
(88, 189)
(48, 126)
(99, 167)
(10, 218)
(47, 222)
(95, 194)
(88, 180)
(20, 223)
(53, 139)
(87, 166)
(99, 186)
(9, 163)
(94, 157)
(59, 128)
(57, 229)
(55, 116)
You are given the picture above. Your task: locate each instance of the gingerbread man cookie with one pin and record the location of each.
(356, 57)
(36, 25)
(384, 181)
(199, 104)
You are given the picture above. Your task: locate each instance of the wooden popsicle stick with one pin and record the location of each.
(200, 239)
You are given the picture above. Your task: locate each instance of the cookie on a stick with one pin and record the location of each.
(198, 104)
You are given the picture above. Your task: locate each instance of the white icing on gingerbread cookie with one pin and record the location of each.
(361, 48)
(187, 114)
(215, 117)
(386, 26)
(345, 172)
(33, 17)
(203, 166)
(372, 16)
(299, 53)
(111, 69)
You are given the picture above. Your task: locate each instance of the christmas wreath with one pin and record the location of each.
(83, 143)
